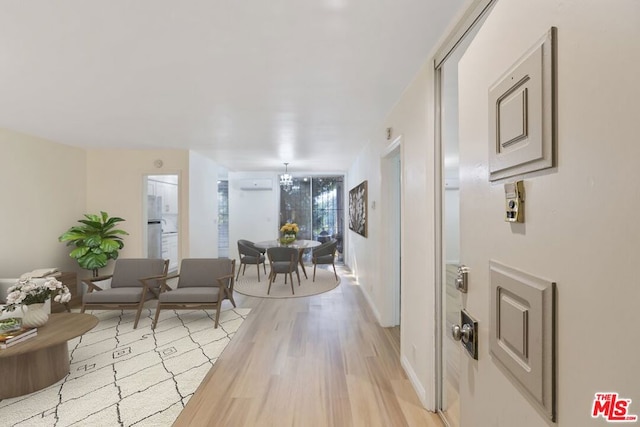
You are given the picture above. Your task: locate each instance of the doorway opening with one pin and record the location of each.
(391, 216)
(162, 218)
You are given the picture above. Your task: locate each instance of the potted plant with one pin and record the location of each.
(96, 241)
(34, 295)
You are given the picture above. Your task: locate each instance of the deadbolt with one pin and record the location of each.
(468, 333)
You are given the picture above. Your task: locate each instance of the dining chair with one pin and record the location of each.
(134, 281)
(202, 283)
(325, 254)
(283, 260)
(249, 254)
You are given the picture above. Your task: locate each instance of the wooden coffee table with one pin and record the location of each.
(43, 360)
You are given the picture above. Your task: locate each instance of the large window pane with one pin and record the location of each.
(316, 204)
(223, 219)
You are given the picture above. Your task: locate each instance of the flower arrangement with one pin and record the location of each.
(27, 292)
(289, 232)
(290, 228)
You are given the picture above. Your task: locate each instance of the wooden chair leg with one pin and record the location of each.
(219, 306)
(258, 268)
(155, 319)
(291, 276)
(271, 279)
(135, 323)
(238, 276)
(335, 272)
(314, 271)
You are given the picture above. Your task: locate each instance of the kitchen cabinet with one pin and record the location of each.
(171, 199)
(170, 249)
(169, 193)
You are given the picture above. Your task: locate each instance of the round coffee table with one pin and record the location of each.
(43, 360)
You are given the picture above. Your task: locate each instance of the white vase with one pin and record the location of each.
(35, 315)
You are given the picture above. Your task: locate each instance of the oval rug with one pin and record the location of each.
(249, 285)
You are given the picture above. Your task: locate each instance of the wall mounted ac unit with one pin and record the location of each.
(256, 184)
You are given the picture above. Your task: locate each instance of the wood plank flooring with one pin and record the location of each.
(314, 361)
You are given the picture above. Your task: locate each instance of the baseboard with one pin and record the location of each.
(372, 306)
(417, 386)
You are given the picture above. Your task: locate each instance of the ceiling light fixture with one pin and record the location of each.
(286, 180)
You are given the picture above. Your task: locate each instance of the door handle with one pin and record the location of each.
(465, 333)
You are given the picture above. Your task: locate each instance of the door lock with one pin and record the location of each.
(462, 280)
(468, 333)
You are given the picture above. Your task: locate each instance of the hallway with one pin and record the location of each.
(314, 361)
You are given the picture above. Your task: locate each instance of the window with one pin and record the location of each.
(316, 204)
(223, 219)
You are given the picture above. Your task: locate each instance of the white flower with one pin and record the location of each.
(28, 292)
(53, 284)
(15, 297)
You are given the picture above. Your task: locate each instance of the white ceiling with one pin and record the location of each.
(256, 82)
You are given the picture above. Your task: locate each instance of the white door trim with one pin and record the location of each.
(391, 219)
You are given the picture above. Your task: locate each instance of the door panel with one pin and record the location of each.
(452, 357)
(451, 297)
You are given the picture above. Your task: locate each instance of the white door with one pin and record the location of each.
(452, 356)
(451, 298)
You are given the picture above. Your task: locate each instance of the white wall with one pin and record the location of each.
(42, 194)
(363, 252)
(115, 180)
(203, 206)
(253, 215)
(581, 225)
(411, 118)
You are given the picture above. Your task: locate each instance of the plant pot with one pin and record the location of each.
(288, 239)
(35, 315)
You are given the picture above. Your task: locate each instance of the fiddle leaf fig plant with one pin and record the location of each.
(96, 241)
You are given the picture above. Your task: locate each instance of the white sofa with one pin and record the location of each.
(5, 284)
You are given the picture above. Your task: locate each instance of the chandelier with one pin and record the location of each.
(286, 180)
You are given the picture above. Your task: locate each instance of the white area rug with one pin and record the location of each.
(122, 376)
(249, 285)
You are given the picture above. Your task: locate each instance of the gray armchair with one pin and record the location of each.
(283, 260)
(249, 254)
(134, 281)
(202, 283)
(325, 254)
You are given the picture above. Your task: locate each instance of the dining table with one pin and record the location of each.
(301, 245)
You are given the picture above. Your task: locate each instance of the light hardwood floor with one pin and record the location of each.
(313, 361)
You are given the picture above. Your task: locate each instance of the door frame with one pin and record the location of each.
(391, 219)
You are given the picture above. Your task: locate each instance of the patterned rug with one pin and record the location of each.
(122, 376)
(249, 285)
